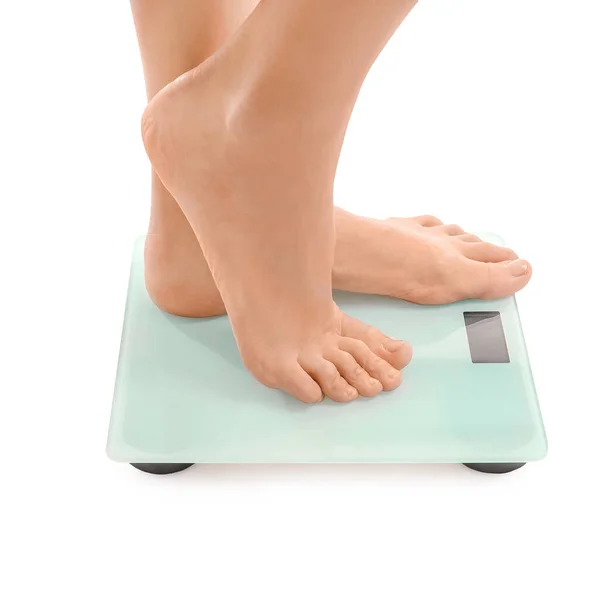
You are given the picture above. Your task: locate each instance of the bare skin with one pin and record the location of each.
(418, 259)
(396, 257)
(248, 144)
(230, 170)
(174, 37)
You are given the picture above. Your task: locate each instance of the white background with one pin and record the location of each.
(483, 113)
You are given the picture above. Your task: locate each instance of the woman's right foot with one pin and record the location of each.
(260, 204)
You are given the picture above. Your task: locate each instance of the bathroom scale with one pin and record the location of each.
(183, 396)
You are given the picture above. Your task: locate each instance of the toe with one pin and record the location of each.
(297, 382)
(354, 374)
(451, 229)
(325, 373)
(374, 365)
(468, 237)
(396, 352)
(497, 280)
(428, 221)
(486, 252)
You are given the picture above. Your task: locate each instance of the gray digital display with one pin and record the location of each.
(486, 337)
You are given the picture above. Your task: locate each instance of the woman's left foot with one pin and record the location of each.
(422, 260)
(416, 259)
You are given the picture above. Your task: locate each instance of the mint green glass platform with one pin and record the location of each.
(182, 394)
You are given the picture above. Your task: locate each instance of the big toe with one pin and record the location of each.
(396, 352)
(497, 280)
(327, 375)
(293, 379)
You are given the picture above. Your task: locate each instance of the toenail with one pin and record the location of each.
(374, 382)
(518, 268)
(352, 394)
(392, 345)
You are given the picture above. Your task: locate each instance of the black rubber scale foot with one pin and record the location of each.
(494, 467)
(162, 468)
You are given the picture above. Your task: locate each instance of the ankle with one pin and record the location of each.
(264, 102)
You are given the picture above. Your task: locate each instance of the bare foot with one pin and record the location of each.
(422, 260)
(416, 259)
(231, 178)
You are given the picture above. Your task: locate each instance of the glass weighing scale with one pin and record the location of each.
(183, 396)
